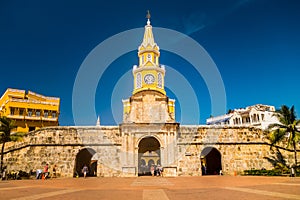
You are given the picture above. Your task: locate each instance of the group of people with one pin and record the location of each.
(44, 174)
(156, 170)
(211, 172)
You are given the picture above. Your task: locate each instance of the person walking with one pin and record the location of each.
(39, 173)
(85, 170)
(46, 171)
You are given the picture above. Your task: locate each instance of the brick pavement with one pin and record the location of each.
(147, 188)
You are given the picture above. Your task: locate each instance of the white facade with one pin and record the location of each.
(260, 116)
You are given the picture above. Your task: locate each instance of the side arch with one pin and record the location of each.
(84, 157)
(211, 161)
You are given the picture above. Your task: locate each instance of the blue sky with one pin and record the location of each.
(255, 45)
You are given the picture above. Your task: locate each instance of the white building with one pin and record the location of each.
(258, 115)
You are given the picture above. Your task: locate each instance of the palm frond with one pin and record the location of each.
(297, 136)
(275, 125)
(286, 115)
(290, 140)
(6, 127)
(292, 114)
(18, 136)
(298, 123)
(277, 135)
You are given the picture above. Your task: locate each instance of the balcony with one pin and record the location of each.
(15, 116)
(32, 118)
(40, 118)
(49, 119)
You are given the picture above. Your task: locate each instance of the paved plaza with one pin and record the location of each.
(158, 188)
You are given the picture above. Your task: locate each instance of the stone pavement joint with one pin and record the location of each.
(289, 184)
(264, 192)
(48, 194)
(151, 182)
(13, 188)
(154, 195)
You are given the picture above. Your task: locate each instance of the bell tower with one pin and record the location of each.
(148, 103)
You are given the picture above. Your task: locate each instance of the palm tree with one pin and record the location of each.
(6, 135)
(286, 128)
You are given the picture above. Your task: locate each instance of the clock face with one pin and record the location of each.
(149, 79)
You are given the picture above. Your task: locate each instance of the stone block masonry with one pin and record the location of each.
(235, 148)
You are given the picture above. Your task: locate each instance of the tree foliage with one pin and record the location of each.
(286, 130)
(6, 135)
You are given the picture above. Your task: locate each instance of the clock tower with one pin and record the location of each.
(148, 103)
(149, 74)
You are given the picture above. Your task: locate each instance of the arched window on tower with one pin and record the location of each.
(159, 80)
(138, 80)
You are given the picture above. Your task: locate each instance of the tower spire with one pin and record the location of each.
(148, 39)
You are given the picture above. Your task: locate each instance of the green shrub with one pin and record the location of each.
(264, 172)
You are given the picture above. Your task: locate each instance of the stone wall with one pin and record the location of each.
(60, 145)
(241, 148)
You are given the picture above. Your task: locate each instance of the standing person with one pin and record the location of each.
(292, 171)
(203, 169)
(85, 170)
(161, 171)
(158, 170)
(4, 173)
(39, 174)
(152, 170)
(46, 171)
(54, 171)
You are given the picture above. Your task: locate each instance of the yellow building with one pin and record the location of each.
(30, 111)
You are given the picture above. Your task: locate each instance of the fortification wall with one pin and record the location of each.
(241, 148)
(60, 145)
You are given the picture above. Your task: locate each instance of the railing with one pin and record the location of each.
(16, 90)
(16, 116)
(32, 117)
(42, 96)
(32, 101)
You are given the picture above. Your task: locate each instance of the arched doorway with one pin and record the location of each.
(211, 163)
(84, 157)
(148, 155)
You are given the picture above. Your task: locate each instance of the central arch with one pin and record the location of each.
(85, 157)
(211, 163)
(148, 155)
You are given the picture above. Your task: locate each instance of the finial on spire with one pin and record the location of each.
(148, 16)
(98, 121)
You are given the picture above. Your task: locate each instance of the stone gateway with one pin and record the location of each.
(129, 150)
(149, 136)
